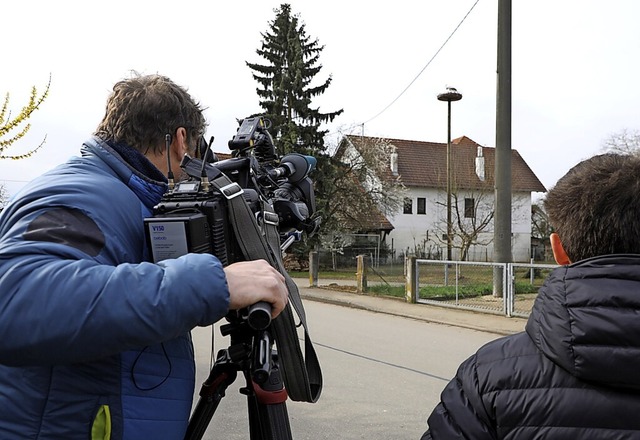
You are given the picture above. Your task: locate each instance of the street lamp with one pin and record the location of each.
(450, 95)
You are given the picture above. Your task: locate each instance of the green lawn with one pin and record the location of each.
(431, 283)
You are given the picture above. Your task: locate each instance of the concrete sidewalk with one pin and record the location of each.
(486, 322)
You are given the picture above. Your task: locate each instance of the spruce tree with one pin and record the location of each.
(286, 90)
(291, 64)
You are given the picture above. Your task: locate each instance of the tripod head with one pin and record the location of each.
(251, 352)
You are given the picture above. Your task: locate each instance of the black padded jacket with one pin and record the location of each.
(573, 374)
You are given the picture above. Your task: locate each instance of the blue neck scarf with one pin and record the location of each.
(138, 161)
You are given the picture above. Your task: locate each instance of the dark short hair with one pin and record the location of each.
(143, 109)
(595, 207)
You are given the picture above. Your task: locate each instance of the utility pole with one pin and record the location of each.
(502, 217)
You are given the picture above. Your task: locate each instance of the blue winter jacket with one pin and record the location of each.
(94, 338)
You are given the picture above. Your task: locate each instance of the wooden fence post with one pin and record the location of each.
(411, 289)
(314, 268)
(361, 274)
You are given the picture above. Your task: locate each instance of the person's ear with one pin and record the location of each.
(179, 144)
(558, 250)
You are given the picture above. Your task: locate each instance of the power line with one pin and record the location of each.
(427, 65)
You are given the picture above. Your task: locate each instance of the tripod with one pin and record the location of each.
(250, 351)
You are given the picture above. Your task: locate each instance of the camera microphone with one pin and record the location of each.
(167, 147)
(294, 166)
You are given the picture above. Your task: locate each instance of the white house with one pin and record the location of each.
(420, 228)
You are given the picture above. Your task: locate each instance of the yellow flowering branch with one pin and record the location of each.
(7, 124)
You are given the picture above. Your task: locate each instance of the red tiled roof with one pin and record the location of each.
(424, 164)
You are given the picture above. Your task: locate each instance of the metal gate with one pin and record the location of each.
(500, 288)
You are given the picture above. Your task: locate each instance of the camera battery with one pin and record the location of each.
(176, 234)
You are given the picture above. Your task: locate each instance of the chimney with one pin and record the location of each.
(394, 161)
(480, 164)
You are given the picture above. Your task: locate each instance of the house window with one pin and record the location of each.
(422, 205)
(408, 206)
(469, 208)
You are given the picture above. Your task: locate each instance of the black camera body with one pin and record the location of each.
(193, 215)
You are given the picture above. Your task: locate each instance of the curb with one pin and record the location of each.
(472, 320)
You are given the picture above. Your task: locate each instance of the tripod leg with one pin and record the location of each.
(269, 421)
(268, 416)
(213, 390)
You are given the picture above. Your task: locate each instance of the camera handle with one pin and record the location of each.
(259, 315)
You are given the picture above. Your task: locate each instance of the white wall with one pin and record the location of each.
(414, 230)
(421, 231)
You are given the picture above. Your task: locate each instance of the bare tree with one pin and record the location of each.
(371, 168)
(540, 226)
(472, 212)
(541, 229)
(361, 194)
(624, 142)
(3, 197)
(9, 124)
(363, 187)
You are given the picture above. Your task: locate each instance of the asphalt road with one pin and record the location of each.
(382, 375)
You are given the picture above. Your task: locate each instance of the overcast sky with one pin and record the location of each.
(575, 69)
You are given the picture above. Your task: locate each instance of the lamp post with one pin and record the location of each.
(449, 96)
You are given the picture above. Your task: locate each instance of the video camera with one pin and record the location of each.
(251, 206)
(193, 216)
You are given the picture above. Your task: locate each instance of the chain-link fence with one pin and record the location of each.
(461, 284)
(526, 280)
(501, 288)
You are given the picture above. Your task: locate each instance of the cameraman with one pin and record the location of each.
(94, 338)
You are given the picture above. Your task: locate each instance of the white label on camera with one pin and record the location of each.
(168, 240)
